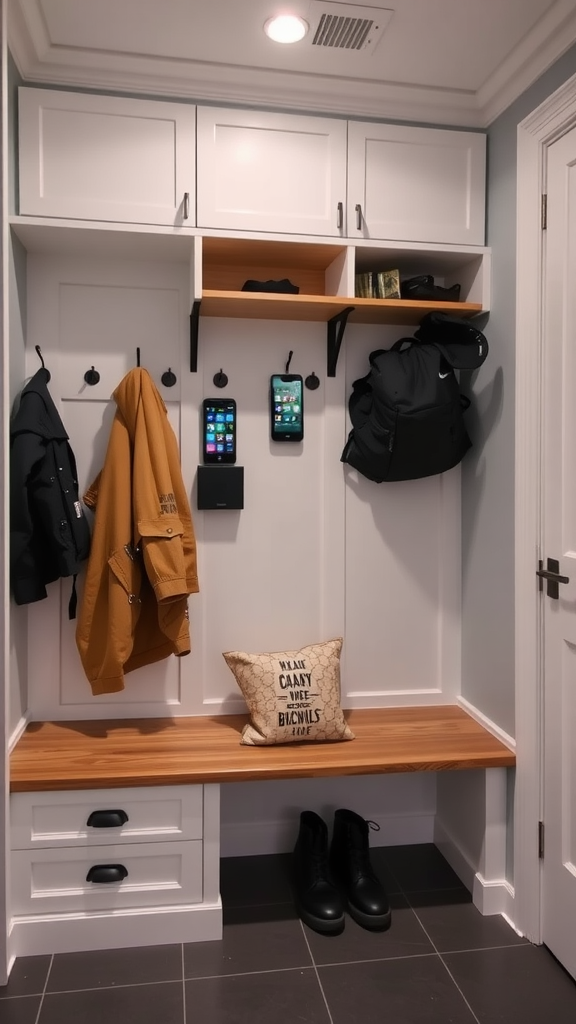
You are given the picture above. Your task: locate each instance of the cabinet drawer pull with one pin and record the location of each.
(186, 205)
(106, 873)
(340, 216)
(359, 216)
(107, 819)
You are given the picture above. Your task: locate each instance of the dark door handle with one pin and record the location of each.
(107, 819)
(552, 576)
(106, 873)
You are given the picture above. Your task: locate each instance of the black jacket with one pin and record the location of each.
(49, 534)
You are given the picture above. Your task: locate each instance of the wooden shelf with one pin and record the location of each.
(187, 751)
(320, 308)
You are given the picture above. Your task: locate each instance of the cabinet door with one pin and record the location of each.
(271, 172)
(416, 184)
(106, 158)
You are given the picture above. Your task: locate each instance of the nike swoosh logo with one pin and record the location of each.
(443, 375)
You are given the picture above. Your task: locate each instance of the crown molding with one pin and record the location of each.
(537, 51)
(230, 84)
(40, 61)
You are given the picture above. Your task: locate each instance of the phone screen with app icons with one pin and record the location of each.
(219, 431)
(286, 409)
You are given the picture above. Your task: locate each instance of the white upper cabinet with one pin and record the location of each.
(271, 172)
(110, 158)
(416, 184)
(106, 158)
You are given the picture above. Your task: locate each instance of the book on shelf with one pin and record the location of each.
(382, 285)
(387, 284)
(364, 286)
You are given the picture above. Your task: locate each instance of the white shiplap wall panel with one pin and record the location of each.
(261, 569)
(402, 574)
(94, 312)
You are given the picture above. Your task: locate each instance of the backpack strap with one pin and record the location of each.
(361, 392)
(462, 345)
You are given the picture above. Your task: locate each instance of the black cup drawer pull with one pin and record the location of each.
(106, 873)
(107, 819)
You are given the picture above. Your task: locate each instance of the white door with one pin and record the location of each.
(416, 184)
(271, 172)
(559, 542)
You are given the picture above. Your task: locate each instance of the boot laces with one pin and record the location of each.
(359, 839)
(359, 850)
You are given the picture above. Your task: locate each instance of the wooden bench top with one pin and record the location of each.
(183, 751)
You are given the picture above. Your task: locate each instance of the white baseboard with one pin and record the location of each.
(238, 840)
(490, 896)
(17, 731)
(493, 897)
(32, 935)
(456, 858)
(488, 724)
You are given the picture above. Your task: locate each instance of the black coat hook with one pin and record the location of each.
(312, 382)
(137, 357)
(41, 358)
(91, 376)
(290, 354)
(220, 380)
(168, 378)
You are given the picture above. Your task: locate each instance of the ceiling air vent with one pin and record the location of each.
(346, 26)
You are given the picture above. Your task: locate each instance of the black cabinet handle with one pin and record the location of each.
(358, 216)
(186, 205)
(340, 216)
(106, 873)
(107, 819)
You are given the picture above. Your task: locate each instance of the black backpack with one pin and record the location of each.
(407, 412)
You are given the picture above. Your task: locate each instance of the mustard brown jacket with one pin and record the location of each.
(142, 565)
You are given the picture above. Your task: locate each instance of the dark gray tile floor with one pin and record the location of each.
(441, 962)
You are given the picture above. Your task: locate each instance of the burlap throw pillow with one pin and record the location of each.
(292, 696)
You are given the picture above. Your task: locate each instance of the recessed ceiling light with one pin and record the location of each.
(286, 28)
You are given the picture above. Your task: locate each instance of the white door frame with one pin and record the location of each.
(548, 122)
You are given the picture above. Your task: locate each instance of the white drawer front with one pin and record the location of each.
(54, 881)
(155, 814)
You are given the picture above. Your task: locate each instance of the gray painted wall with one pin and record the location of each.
(488, 475)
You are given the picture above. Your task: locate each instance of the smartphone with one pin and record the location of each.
(219, 431)
(286, 408)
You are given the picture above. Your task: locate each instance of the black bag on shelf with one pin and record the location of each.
(283, 286)
(407, 412)
(423, 289)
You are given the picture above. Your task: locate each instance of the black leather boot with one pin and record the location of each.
(318, 901)
(351, 868)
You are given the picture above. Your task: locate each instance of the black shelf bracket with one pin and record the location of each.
(194, 318)
(336, 326)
